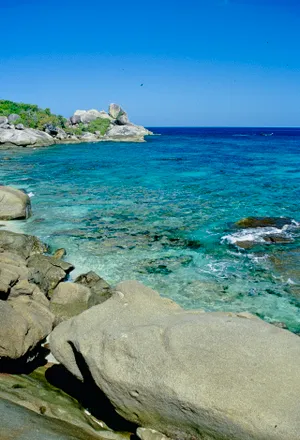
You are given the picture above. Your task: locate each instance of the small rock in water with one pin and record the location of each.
(59, 254)
(280, 324)
(277, 238)
(262, 222)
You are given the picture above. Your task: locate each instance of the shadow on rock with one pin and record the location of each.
(88, 394)
(25, 364)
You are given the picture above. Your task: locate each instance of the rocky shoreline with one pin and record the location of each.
(78, 129)
(131, 363)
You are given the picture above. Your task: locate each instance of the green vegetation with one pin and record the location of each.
(99, 124)
(31, 115)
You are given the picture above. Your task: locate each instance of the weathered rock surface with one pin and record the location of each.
(12, 269)
(14, 204)
(47, 272)
(150, 434)
(3, 120)
(59, 253)
(115, 111)
(13, 117)
(21, 244)
(87, 116)
(68, 300)
(25, 138)
(128, 132)
(24, 287)
(99, 288)
(123, 119)
(89, 137)
(186, 374)
(24, 323)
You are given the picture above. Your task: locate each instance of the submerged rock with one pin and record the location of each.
(286, 264)
(14, 204)
(262, 222)
(186, 374)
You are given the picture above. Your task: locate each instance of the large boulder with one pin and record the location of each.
(14, 204)
(25, 138)
(21, 244)
(24, 323)
(127, 132)
(123, 119)
(12, 269)
(89, 116)
(186, 374)
(115, 111)
(75, 119)
(13, 117)
(3, 120)
(47, 272)
(89, 137)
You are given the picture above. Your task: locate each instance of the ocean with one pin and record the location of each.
(164, 213)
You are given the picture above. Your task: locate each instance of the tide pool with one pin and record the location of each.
(162, 212)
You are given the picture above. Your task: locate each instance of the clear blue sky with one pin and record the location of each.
(202, 63)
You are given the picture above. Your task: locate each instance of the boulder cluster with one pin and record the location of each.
(119, 129)
(166, 372)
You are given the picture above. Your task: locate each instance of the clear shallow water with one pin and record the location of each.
(159, 211)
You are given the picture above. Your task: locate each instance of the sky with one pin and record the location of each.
(201, 63)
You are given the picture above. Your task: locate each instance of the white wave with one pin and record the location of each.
(31, 194)
(255, 235)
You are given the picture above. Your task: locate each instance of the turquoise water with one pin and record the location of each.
(162, 212)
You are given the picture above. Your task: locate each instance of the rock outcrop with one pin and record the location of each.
(120, 129)
(127, 133)
(14, 204)
(28, 137)
(47, 272)
(99, 288)
(21, 244)
(117, 127)
(186, 374)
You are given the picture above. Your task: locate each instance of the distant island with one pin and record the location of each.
(27, 125)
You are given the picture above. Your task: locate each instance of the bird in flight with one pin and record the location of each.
(142, 85)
